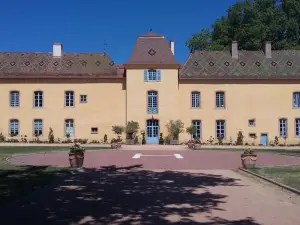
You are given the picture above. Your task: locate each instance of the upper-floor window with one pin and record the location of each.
(14, 98)
(152, 75)
(38, 127)
(220, 128)
(38, 99)
(14, 127)
(195, 99)
(282, 127)
(220, 99)
(69, 127)
(69, 98)
(296, 99)
(152, 102)
(197, 125)
(297, 127)
(251, 123)
(83, 98)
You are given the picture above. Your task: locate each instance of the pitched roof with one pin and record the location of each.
(250, 64)
(152, 48)
(30, 64)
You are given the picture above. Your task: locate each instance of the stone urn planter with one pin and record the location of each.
(190, 144)
(76, 156)
(116, 143)
(197, 146)
(248, 158)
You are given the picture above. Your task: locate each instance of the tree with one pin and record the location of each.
(252, 22)
(132, 127)
(175, 128)
(118, 129)
(191, 130)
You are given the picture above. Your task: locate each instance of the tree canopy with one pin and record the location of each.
(252, 22)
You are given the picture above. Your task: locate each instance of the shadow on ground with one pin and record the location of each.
(123, 196)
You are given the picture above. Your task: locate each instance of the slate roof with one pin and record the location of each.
(152, 48)
(30, 64)
(250, 64)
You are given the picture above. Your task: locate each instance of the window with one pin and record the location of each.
(220, 128)
(69, 127)
(252, 135)
(94, 130)
(220, 99)
(197, 125)
(251, 123)
(38, 99)
(283, 127)
(14, 127)
(195, 99)
(152, 75)
(83, 98)
(69, 98)
(296, 99)
(297, 127)
(152, 102)
(14, 99)
(38, 127)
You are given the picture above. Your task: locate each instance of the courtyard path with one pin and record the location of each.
(132, 195)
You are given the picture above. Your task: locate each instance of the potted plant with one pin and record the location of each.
(143, 137)
(76, 156)
(116, 143)
(174, 129)
(197, 143)
(161, 140)
(132, 128)
(249, 158)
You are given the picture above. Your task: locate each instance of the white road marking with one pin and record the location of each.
(137, 156)
(178, 156)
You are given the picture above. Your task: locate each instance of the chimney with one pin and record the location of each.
(268, 49)
(57, 50)
(172, 46)
(234, 50)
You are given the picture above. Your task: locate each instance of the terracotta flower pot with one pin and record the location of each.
(248, 160)
(76, 160)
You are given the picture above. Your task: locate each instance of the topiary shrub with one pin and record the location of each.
(276, 141)
(240, 137)
(105, 138)
(51, 136)
(2, 137)
(161, 139)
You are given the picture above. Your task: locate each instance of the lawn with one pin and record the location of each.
(17, 181)
(289, 175)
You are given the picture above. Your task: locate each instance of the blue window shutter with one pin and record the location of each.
(158, 75)
(145, 75)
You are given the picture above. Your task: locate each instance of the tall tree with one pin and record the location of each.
(251, 22)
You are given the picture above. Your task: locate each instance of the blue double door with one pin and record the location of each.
(152, 131)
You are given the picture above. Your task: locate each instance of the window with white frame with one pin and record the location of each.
(38, 99)
(69, 127)
(282, 127)
(197, 125)
(14, 98)
(251, 123)
(152, 102)
(38, 127)
(296, 99)
(69, 98)
(195, 99)
(83, 98)
(152, 75)
(14, 127)
(297, 127)
(220, 128)
(220, 99)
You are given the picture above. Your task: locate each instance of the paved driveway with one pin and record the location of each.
(132, 196)
(157, 159)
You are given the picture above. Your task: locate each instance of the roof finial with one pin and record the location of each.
(104, 47)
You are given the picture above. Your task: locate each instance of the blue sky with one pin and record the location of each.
(84, 26)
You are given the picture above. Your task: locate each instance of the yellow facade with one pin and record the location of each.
(114, 97)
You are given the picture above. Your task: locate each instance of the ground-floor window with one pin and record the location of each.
(220, 128)
(297, 127)
(14, 127)
(283, 127)
(197, 125)
(38, 127)
(69, 127)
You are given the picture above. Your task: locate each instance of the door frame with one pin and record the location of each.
(156, 139)
(264, 134)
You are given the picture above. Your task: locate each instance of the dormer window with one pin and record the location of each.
(152, 75)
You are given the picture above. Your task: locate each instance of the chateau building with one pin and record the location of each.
(219, 92)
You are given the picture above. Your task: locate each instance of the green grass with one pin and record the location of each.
(289, 175)
(17, 181)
